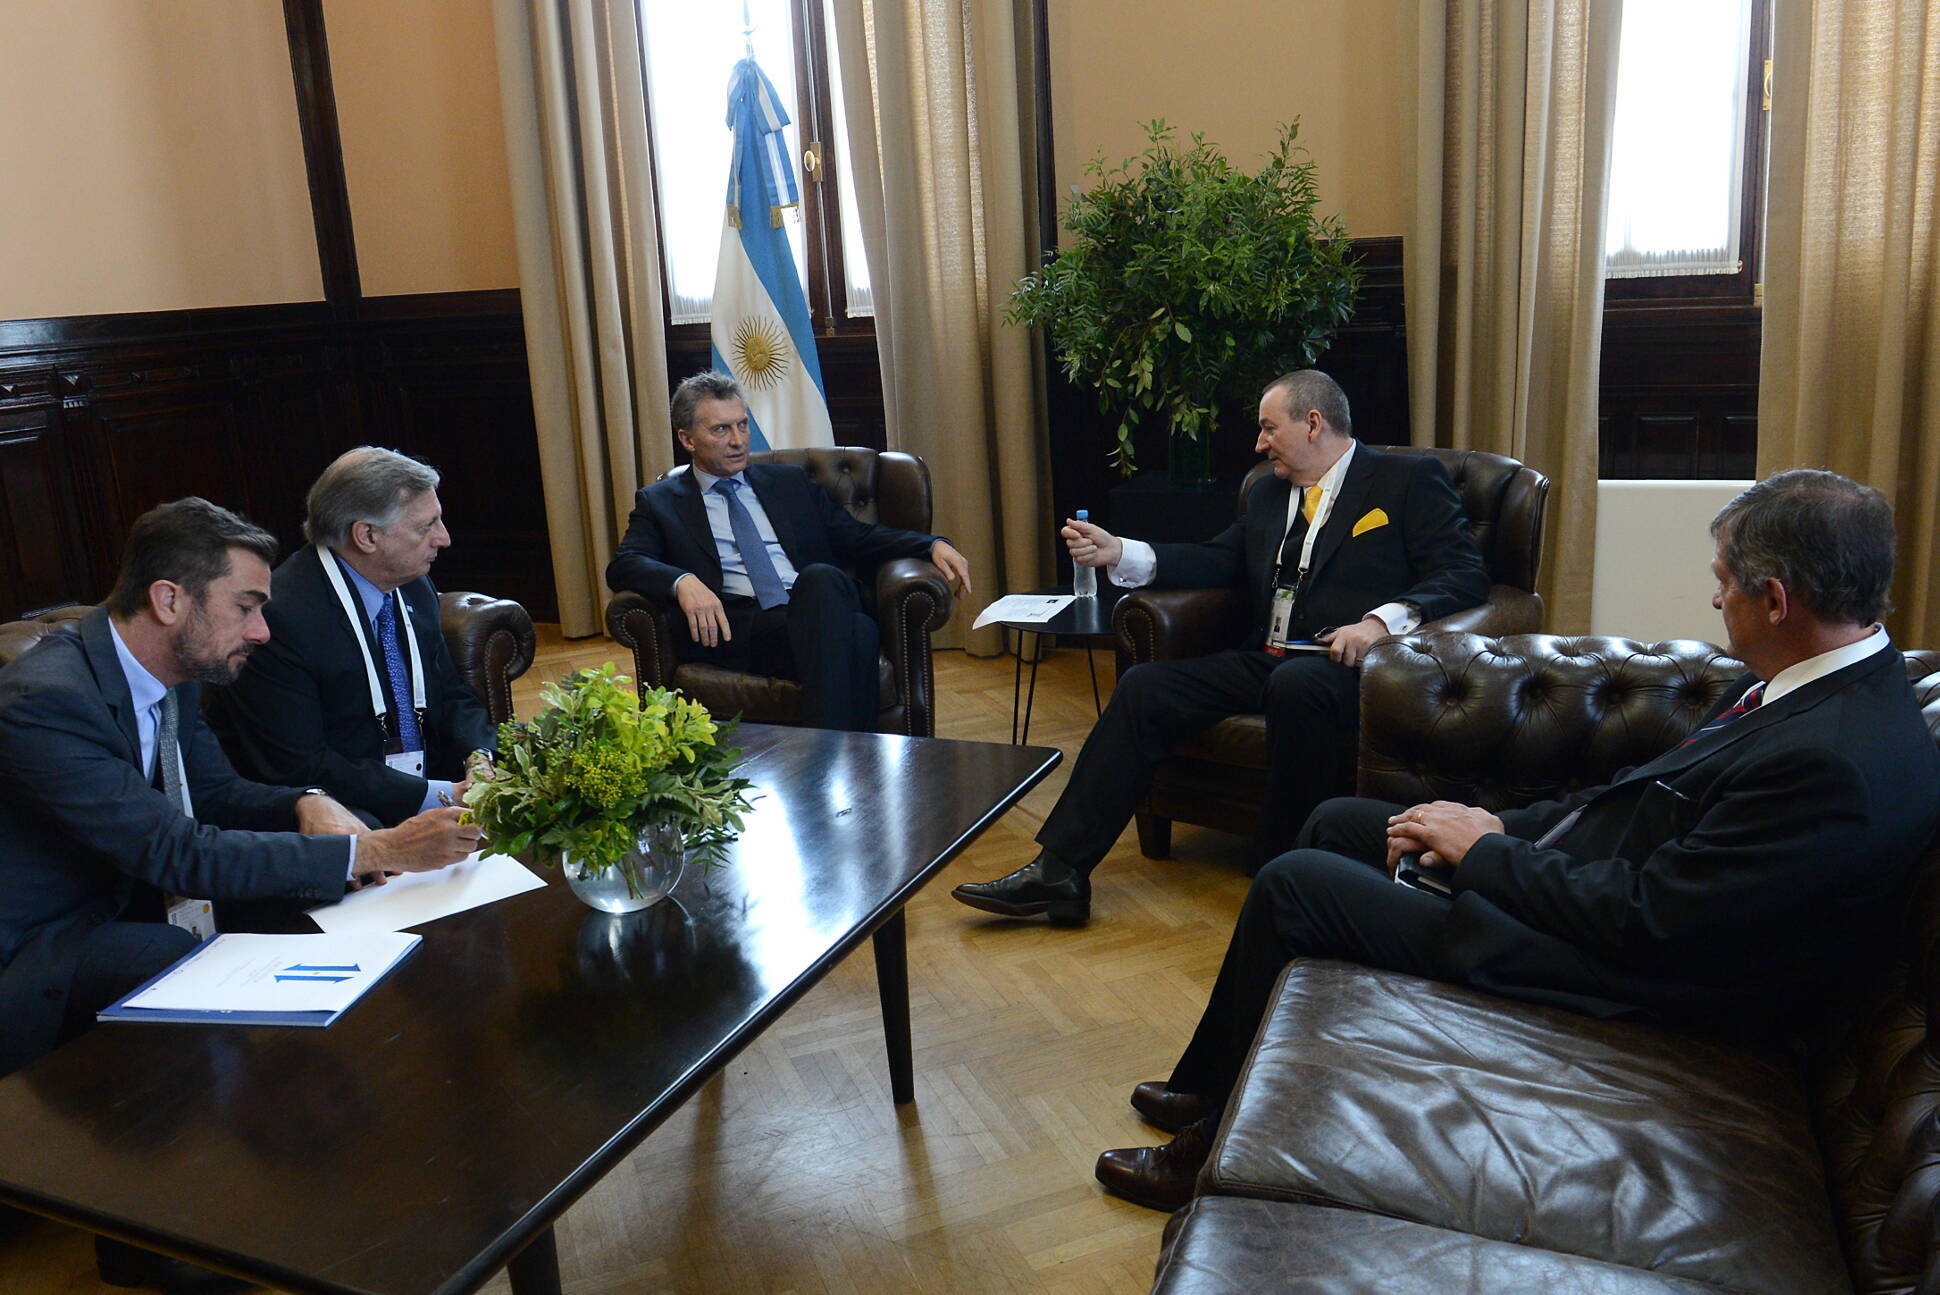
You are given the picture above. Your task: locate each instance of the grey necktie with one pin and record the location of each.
(768, 589)
(168, 752)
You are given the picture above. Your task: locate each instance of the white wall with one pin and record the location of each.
(1653, 559)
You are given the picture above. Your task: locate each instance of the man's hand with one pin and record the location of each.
(954, 566)
(706, 618)
(434, 839)
(1441, 832)
(1348, 644)
(323, 816)
(1092, 546)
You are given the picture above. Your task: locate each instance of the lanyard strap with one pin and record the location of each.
(380, 693)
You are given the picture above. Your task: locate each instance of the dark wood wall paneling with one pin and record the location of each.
(1679, 390)
(103, 417)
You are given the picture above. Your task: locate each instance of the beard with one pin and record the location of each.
(201, 659)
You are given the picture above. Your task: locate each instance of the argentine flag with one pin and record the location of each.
(760, 318)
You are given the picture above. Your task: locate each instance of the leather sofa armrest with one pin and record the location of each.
(1507, 610)
(492, 642)
(1172, 624)
(647, 628)
(913, 601)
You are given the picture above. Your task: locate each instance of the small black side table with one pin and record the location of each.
(1086, 618)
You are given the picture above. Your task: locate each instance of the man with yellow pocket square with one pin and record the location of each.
(1342, 545)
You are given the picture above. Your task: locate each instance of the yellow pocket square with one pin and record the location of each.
(1369, 522)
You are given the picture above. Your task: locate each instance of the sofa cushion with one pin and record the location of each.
(1233, 1246)
(1616, 1141)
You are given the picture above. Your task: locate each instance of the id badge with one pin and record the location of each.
(411, 762)
(1282, 617)
(196, 916)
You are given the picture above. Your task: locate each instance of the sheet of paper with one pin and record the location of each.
(1032, 609)
(276, 973)
(417, 897)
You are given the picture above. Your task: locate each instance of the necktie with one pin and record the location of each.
(1749, 702)
(768, 590)
(168, 751)
(1311, 504)
(406, 727)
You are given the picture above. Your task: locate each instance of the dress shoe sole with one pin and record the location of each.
(1159, 1122)
(1061, 912)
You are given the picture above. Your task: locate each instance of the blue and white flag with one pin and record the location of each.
(761, 330)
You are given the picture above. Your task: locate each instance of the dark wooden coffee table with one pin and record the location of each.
(433, 1135)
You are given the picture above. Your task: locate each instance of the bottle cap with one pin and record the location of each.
(1084, 514)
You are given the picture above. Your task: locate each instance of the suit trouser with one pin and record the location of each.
(114, 959)
(1312, 709)
(820, 637)
(1330, 898)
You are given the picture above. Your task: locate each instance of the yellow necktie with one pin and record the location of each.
(1311, 505)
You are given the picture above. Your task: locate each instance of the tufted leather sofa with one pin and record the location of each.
(491, 641)
(909, 598)
(1395, 1135)
(1218, 779)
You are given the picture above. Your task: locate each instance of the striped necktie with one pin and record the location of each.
(1749, 702)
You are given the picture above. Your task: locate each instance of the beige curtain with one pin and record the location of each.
(940, 146)
(1849, 378)
(1504, 269)
(571, 80)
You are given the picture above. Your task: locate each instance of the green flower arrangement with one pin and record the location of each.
(598, 763)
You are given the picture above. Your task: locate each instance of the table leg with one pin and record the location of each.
(1031, 696)
(1097, 706)
(1016, 686)
(892, 983)
(535, 1269)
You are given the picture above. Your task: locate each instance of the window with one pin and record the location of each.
(1687, 154)
(691, 49)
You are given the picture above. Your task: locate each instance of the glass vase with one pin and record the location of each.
(646, 876)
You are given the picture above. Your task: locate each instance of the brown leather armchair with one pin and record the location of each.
(1219, 778)
(909, 598)
(491, 641)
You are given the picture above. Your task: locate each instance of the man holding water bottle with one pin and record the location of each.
(1342, 545)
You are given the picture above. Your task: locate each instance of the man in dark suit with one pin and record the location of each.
(1351, 545)
(750, 554)
(115, 797)
(1730, 882)
(355, 690)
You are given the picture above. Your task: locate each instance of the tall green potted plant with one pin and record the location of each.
(1188, 284)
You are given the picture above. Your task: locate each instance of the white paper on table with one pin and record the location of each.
(276, 973)
(1033, 609)
(416, 897)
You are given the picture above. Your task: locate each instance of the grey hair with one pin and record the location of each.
(709, 384)
(1827, 539)
(1305, 389)
(367, 484)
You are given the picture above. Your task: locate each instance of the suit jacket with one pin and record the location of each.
(1732, 879)
(83, 834)
(1420, 554)
(668, 537)
(300, 713)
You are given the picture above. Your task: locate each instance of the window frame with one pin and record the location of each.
(1742, 288)
(821, 211)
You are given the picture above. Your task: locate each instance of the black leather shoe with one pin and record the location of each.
(124, 1265)
(1164, 1109)
(1028, 893)
(1159, 1178)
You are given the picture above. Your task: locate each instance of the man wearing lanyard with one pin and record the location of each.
(356, 691)
(114, 796)
(1340, 546)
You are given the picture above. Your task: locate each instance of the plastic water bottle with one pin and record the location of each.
(1084, 579)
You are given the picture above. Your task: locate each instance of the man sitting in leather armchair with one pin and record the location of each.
(1728, 883)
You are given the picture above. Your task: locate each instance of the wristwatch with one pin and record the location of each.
(313, 791)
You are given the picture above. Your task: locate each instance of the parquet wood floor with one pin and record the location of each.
(794, 1172)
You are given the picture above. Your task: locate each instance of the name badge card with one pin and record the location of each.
(411, 762)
